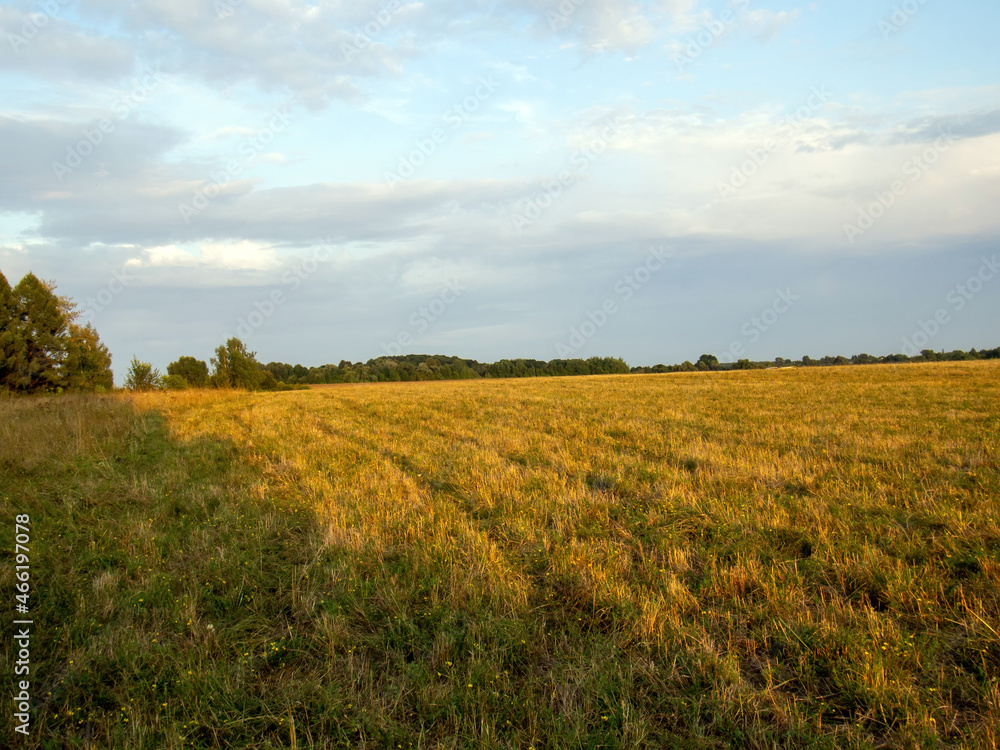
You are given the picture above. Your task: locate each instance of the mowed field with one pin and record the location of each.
(764, 559)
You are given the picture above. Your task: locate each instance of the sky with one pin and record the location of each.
(495, 179)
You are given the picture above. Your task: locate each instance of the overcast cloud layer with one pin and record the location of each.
(324, 178)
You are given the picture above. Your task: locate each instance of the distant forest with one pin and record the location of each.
(412, 367)
(43, 350)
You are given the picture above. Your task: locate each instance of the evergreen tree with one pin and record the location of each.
(43, 326)
(11, 340)
(88, 361)
(142, 376)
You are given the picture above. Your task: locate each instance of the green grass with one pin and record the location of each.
(794, 559)
(157, 591)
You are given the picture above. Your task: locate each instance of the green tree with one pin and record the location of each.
(42, 324)
(710, 362)
(268, 382)
(221, 376)
(142, 376)
(11, 340)
(175, 383)
(282, 372)
(88, 361)
(194, 371)
(235, 367)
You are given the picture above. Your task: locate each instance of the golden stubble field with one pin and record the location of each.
(793, 558)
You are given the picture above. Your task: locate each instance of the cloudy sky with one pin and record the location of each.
(340, 179)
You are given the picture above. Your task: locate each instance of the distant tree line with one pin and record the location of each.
(413, 367)
(42, 347)
(709, 362)
(233, 366)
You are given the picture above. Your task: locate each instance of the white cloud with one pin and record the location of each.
(214, 256)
